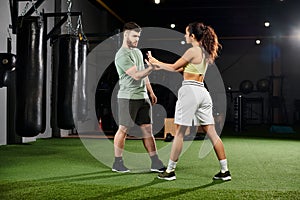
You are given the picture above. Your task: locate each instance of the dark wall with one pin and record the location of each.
(240, 58)
(244, 60)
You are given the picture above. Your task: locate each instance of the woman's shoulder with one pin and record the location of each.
(195, 49)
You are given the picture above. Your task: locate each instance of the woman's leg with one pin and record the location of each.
(224, 173)
(177, 142)
(177, 145)
(215, 140)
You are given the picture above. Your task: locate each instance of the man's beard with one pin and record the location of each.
(131, 44)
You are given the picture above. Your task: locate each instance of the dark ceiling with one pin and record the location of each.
(228, 17)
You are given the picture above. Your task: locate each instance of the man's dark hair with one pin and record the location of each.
(132, 26)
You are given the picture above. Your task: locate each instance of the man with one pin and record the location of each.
(134, 105)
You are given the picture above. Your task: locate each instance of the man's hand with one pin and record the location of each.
(153, 98)
(153, 66)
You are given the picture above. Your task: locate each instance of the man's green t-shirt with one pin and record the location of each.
(130, 88)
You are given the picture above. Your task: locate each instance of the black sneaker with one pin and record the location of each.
(119, 167)
(222, 176)
(158, 166)
(167, 176)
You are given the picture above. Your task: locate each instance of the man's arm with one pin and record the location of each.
(150, 90)
(137, 75)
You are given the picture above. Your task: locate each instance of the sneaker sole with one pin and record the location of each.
(228, 178)
(114, 170)
(157, 170)
(168, 179)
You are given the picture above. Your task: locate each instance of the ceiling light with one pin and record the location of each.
(267, 24)
(157, 1)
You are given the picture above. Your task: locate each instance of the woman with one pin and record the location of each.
(194, 104)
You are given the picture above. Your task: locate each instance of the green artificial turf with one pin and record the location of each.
(62, 168)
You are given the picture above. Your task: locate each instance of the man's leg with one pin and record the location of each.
(150, 146)
(148, 139)
(119, 140)
(119, 143)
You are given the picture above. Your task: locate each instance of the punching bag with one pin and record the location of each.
(82, 81)
(30, 116)
(65, 73)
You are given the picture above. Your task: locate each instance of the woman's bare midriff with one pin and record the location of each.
(194, 77)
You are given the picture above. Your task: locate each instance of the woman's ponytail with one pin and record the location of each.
(210, 42)
(207, 36)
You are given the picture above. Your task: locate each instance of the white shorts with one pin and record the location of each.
(194, 105)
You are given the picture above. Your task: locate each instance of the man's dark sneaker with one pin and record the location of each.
(119, 167)
(222, 176)
(158, 166)
(167, 176)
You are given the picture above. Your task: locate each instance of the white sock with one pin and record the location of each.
(171, 166)
(223, 164)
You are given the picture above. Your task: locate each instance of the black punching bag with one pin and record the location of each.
(30, 116)
(66, 48)
(82, 81)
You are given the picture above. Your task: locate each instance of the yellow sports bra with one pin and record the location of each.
(196, 68)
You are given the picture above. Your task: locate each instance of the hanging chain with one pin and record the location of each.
(79, 26)
(69, 20)
(26, 8)
(33, 4)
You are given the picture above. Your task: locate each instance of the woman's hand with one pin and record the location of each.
(151, 58)
(152, 65)
(152, 61)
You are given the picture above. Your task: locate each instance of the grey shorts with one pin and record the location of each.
(134, 111)
(194, 105)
